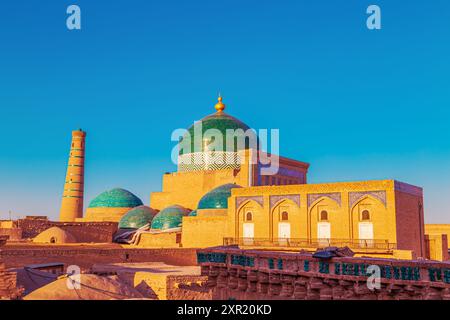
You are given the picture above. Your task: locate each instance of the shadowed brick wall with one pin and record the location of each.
(82, 231)
(8, 284)
(85, 257)
(410, 222)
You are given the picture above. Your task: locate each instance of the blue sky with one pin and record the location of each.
(356, 104)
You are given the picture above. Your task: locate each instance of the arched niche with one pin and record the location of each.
(370, 218)
(252, 209)
(287, 221)
(334, 219)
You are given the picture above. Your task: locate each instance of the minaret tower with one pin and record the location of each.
(72, 200)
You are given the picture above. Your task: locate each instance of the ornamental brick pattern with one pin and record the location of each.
(257, 199)
(278, 198)
(336, 196)
(245, 274)
(356, 196)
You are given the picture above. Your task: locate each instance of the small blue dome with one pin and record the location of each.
(137, 217)
(170, 217)
(217, 198)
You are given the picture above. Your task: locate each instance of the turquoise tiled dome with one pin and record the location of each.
(115, 198)
(217, 198)
(220, 121)
(137, 217)
(170, 217)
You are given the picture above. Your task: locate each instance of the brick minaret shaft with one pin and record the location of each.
(72, 200)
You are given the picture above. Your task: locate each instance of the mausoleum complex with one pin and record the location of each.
(207, 202)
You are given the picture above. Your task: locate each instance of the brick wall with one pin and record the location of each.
(98, 232)
(32, 227)
(14, 234)
(433, 229)
(245, 274)
(436, 247)
(3, 240)
(85, 257)
(8, 284)
(410, 222)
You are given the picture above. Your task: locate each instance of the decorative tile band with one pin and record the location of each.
(211, 160)
(354, 197)
(277, 198)
(242, 260)
(211, 257)
(336, 196)
(257, 199)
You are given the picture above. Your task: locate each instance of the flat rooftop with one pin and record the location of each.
(159, 268)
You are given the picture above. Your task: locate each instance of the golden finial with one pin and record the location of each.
(220, 106)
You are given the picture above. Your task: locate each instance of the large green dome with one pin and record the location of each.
(137, 217)
(170, 217)
(115, 198)
(220, 121)
(217, 198)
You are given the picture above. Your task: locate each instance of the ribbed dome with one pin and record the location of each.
(115, 198)
(217, 198)
(220, 121)
(137, 217)
(170, 217)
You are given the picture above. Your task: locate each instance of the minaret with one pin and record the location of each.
(72, 200)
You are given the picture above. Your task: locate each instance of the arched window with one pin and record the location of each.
(52, 240)
(323, 215)
(248, 216)
(284, 216)
(365, 215)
